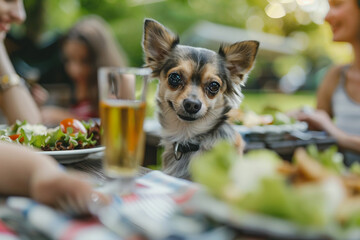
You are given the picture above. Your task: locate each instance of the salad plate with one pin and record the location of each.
(310, 198)
(72, 156)
(252, 224)
(71, 141)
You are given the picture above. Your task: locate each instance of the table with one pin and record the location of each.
(284, 144)
(34, 221)
(93, 166)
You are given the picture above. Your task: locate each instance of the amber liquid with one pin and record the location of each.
(123, 135)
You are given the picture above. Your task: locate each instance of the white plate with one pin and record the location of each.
(266, 129)
(72, 156)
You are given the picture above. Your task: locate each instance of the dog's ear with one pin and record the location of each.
(239, 58)
(157, 42)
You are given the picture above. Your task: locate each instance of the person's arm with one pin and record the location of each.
(24, 172)
(320, 120)
(16, 102)
(344, 140)
(326, 90)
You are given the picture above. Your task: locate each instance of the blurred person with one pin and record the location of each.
(24, 172)
(338, 95)
(87, 46)
(15, 100)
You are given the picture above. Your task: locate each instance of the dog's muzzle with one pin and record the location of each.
(180, 149)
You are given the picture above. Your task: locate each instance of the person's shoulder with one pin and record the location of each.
(330, 80)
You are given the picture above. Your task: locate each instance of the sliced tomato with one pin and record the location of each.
(16, 136)
(75, 124)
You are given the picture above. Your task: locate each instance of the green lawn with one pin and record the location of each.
(284, 102)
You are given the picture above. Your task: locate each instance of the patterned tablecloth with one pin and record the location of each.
(153, 211)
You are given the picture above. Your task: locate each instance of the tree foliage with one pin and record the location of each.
(126, 19)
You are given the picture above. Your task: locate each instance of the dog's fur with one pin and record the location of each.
(197, 88)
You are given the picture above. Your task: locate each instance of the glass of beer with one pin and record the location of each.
(122, 95)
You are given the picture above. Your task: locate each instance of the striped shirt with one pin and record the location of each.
(347, 114)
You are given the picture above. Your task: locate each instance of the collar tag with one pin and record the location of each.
(177, 153)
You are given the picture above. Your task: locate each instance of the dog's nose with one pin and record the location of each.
(192, 106)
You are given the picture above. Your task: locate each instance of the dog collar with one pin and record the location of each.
(180, 149)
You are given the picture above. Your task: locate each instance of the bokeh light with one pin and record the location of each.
(275, 10)
(301, 40)
(294, 79)
(255, 23)
(305, 11)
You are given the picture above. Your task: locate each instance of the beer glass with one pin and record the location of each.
(122, 95)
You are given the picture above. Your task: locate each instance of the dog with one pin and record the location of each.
(197, 88)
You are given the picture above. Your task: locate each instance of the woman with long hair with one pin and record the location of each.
(87, 46)
(338, 96)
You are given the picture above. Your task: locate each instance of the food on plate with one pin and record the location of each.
(315, 190)
(269, 116)
(74, 125)
(70, 134)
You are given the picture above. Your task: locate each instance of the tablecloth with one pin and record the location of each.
(153, 211)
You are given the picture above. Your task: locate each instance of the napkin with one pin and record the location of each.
(57, 225)
(6, 233)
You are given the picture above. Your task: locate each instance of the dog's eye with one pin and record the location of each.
(174, 80)
(214, 87)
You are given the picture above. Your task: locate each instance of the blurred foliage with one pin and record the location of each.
(258, 100)
(316, 50)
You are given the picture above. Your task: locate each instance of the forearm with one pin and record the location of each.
(18, 165)
(16, 102)
(350, 142)
(344, 140)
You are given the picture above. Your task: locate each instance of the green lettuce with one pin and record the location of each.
(51, 137)
(271, 194)
(329, 158)
(212, 168)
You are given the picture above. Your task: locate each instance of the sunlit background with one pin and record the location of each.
(296, 44)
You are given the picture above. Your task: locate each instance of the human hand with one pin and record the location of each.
(66, 191)
(317, 120)
(39, 94)
(52, 115)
